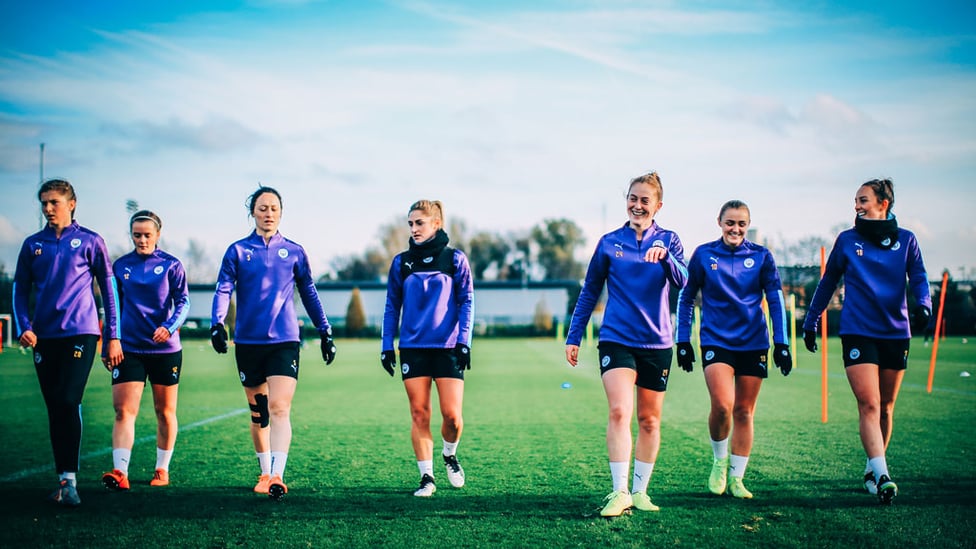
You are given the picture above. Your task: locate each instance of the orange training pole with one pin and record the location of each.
(823, 345)
(938, 327)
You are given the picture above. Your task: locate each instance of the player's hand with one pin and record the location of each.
(388, 360)
(920, 319)
(686, 356)
(328, 347)
(218, 338)
(810, 340)
(782, 358)
(28, 339)
(463, 354)
(161, 335)
(572, 355)
(656, 254)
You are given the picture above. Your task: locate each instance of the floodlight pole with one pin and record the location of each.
(42, 163)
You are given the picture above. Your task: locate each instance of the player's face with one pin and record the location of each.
(643, 204)
(867, 205)
(57, 208)
(734, 222)
(267, 214)
(144, 237)
(422, 227)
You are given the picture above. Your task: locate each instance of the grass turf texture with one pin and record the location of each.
(534, 454)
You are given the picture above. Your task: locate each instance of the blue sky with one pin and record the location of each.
(509, 113)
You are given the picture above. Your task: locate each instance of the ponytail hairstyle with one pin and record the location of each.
(146, 215)
(884, 189)
(251, 200)
(61, 186)
(432, 208)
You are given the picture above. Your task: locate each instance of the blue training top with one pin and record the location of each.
(732, 282)
(875, 303)
(638, 312)
(265, 277)
(153, 292)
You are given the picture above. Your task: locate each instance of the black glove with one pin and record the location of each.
(463, 354)
(328, 347)
(810, 340)
(388, 359)
(920, 319)
(782, 358)
(686, 356)
(218, 338)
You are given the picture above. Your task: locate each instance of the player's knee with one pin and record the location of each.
(260, 414)
(620, 414)
(420, 416)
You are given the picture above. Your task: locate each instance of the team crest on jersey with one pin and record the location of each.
(115, 373)
(37, 357)
(282, 253)
(748, 263)
(709, 355)
(405, 368)
(860, 249)
(605, 362)
(158, 270)
(855, 354)
(658, 244)
(75, 242)
(243, 377)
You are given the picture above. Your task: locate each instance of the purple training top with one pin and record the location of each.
(153, 293)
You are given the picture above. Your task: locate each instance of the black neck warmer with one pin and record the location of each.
(883, 232)
(430, 248)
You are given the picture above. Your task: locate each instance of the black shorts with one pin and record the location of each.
(256, 363)
(743, 363)
(433, 363)
(161, 369)
(888, 354)
(652, 365)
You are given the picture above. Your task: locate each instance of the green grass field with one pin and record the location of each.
(534, 454)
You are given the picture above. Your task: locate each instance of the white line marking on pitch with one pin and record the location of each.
(97, 453)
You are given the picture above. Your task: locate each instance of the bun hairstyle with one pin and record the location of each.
(146, 215)
(251, 200)
(732, 205)
(651, 179)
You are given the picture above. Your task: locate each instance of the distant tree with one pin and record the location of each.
(6, 291)
(372, 265)
(355, 314)
(558, 240)
(484, 250)
(195, 262)
(542, 319)
(131, 206)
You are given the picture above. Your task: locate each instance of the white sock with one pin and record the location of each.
(879, 465)
(642, 475)
(278, 461)
(720, 448)
(120, 459)
(264, 461)
(162, 458)
(618, 472)
(737, 466)
(450, 448)
(70, 476)
(426, 467)
(867, 466)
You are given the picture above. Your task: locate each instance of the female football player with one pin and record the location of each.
(155, 302)
(639, 262)
(732, 275)
(429, 297)
(875, 258)
(266, 268)
(60, 262)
